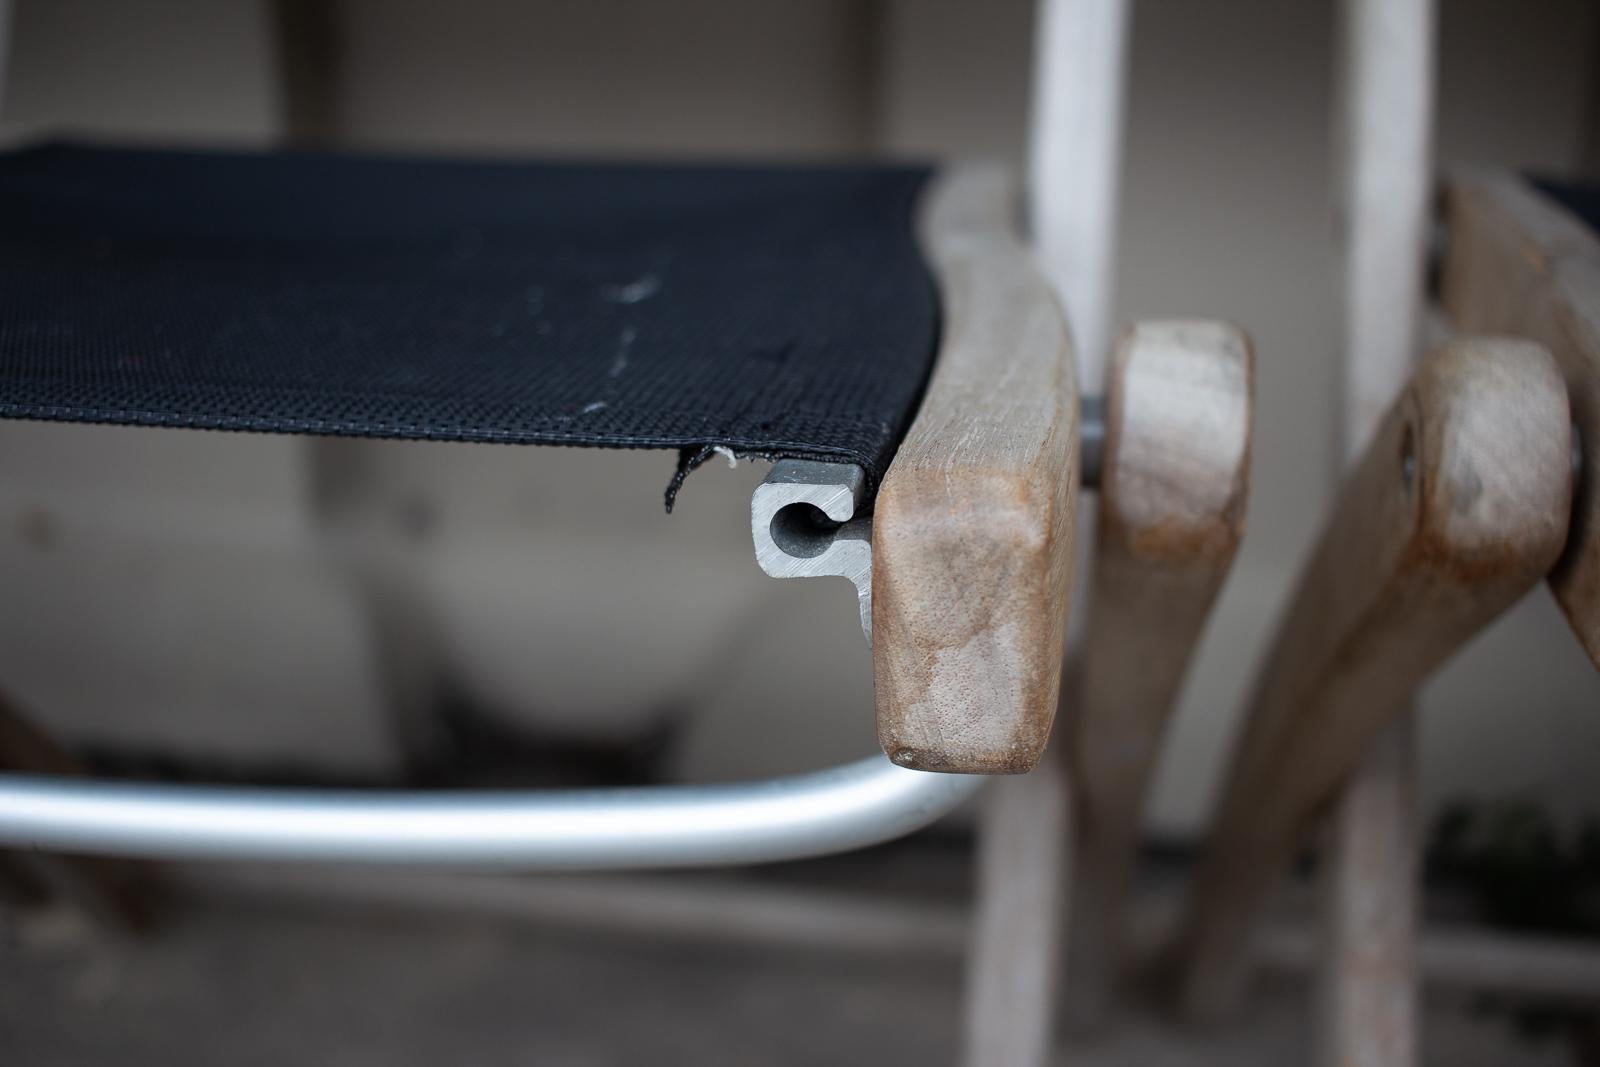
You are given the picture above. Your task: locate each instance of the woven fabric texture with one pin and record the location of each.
(776, 310)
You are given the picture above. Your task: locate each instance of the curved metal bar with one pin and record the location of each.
(851, 806)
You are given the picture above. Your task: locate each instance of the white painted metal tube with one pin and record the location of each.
(814, 814)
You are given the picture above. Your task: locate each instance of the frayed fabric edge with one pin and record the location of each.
(692, 458)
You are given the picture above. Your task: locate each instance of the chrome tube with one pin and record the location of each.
(813, 814)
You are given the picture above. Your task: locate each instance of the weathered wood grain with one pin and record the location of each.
(1457, 507)
(1518, 263)
(973, 526)
(1173, 487)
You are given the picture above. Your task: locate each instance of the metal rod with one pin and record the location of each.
(1091, 440)
(851, 806)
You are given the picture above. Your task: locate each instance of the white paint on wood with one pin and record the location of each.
(1387, 113)
(1075, 146)
(1367, 1011)
(1024, 880)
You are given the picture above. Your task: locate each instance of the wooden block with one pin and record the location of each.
(1173, 488)
(973, 526)
(1518, 263)
(1457, 507)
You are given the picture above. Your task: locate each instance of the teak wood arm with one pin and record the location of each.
(973, 526)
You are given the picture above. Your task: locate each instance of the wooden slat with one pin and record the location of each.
(1075, 131)
(972, 529)
(1457, 507)
(1366, 1013)
(1517, 263)
(1173, 488)
(1024, 879)
(1025, 846)
(1367, 974)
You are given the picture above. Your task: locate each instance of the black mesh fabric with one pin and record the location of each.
(1582, 200)
(777, 310)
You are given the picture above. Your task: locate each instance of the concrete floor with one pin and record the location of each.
(271, 979)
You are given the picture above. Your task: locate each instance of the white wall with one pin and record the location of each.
(171, 69)
(775, 77)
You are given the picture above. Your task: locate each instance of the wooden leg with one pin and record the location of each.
(1024, 843)
(1074, 157)
(1459, 505)
(1367, 1009)
(1173, 488)
(1367, 969)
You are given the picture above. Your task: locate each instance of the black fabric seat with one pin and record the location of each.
(1582, 199)
(776, 310)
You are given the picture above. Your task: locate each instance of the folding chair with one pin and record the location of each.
(556, 304)
(881, 333)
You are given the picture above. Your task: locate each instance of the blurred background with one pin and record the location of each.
(275, 608)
